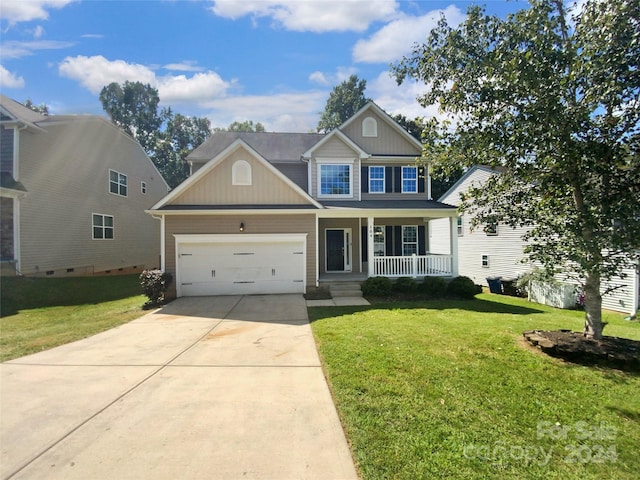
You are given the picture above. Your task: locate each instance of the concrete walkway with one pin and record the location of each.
(205, 388)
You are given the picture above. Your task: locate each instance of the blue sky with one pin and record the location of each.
(268, 61)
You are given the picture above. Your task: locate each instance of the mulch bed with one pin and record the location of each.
(614, 352)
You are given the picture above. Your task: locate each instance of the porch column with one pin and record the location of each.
(453, 245)
(370, 249)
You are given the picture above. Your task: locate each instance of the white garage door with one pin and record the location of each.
(240, 264)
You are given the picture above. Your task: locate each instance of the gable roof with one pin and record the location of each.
(19, 113)
(211, 164)
(337, 133)
(371, 105)
(273, 147)
(465, 177)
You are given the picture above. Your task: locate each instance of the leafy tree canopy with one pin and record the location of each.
(344, 100)
(42, 108)
(246, 126)
(553, 100)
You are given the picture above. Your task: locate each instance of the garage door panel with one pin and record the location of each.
(241, 268)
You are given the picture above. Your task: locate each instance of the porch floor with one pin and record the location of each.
(342, 277)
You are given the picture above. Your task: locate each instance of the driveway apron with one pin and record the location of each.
(204, 388)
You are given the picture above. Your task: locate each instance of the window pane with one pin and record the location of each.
(409, 249)
(97, 220)
(108, 233)
(113, 176)
(376, 179)
(113, 187)
(409, 179)
(97, 232)
(123, 179)
(108, 221)
(123, 190)
(335, 180)
(410, 234)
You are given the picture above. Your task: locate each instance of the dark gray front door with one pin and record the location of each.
(335, 250)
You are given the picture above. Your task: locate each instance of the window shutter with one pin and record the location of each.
(397, 240)
(422, 244)
(421, 180)
(397, 179)
(388, 238)
(364, 244)
(388, 180)
(364, 179)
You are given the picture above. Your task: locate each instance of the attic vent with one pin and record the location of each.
(369, 127)
(241, 173)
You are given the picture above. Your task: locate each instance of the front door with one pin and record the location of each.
(338, 248)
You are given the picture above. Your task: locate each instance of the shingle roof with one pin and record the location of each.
(20, 112)
(274, 147)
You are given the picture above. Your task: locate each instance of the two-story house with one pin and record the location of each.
(280, 212)
(73, 196)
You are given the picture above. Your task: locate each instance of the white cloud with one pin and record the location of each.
(95, 72)
(15, 11)
(396, 39)
(311, 15)
(319, 78)
(16, 49)
(38, 32)
(186, 66)
(10, 80)
(332, 79)
(281, 112)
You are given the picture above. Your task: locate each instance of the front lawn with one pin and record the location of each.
(447, 389)
(42, 313)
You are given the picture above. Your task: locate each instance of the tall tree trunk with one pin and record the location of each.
(593, 307)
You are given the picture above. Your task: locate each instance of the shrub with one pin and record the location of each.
(462, 287)
(377, 287)
(405, 285)
(154, 284)
(433, 287)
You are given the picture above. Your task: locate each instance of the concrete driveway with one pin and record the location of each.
(205, 388)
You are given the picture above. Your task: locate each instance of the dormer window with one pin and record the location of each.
(369, 127)
(241, 173)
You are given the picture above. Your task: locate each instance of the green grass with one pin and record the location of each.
(448, 390)
(42, 313)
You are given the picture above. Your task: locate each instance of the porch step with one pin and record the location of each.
(345, 289)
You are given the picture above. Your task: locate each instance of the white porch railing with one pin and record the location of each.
(413, 266)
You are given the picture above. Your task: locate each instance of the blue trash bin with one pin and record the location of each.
(495, 285)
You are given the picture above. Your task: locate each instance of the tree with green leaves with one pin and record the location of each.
(246, 126)
(134, 107)
(42, 108)
(344, 100)
(552, 98)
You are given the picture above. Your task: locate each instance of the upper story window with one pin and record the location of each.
(460, 226)
(369, 127)
(334, 180)
(117, 183)
(409, 179)
(102, 226)
(241, 173)
(376, 179)
(143, 188)
(491, 228)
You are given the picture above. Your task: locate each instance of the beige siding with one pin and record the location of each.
(216, 188)
(228, 224)
(388, 142)
(336, 149)
(66, 174)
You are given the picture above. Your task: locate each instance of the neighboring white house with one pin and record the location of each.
(497, 250)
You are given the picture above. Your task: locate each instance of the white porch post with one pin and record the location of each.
(453, 245)
(370, 249)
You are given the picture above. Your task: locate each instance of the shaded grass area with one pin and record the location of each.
(41, 313)
(449, 390)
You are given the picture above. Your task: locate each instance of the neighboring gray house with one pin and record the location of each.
(73, 195)
(498, 250)
(281, 212)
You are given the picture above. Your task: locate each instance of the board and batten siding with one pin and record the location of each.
(229, 224)
(389, 140)
(66, 174)
(216, 187)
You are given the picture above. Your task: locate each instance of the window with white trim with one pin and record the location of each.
(334, 180)
(379, 249)
(491, 229)
(369, 127)
(102, 226)
(409, 239)
(241, 173)
(117, 183)
(409, 179)
(376, 179)
(485, 261)
(460, 226)
(143, 188)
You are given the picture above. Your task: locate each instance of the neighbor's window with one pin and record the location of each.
(102, 226)
(485, 261)
(143, 188)
(409, 239)
(335, 180)
(491, 228)
(117, 183)
(460, 227)
(376, 179)
(379, 241)
(409, 179)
